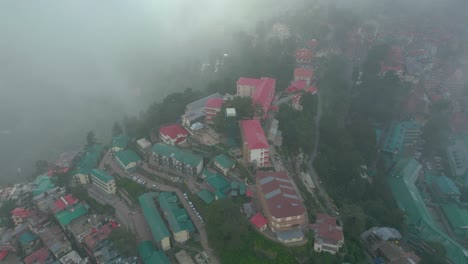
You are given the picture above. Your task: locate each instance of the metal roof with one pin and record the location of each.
(153, 218)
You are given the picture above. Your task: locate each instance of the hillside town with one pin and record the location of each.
(154, 199)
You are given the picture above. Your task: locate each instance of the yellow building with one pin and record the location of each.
(104, 181)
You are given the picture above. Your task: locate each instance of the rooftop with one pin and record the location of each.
(218, 183)
(206, 196)
(65, 217)
(72, 258)
(304, 72)
(176, 216)
(248, 81)
(264, 94)
(150, 255)
(253, 135)
(303, 54)
(153, 218)
(42, 184)
(457, 216)
(173, 131)
(127, 156)
(54, 239)
(199, 104)
(65, 159)
(397, 134)
(446, 186)
(214, 103)
(97, 235)
(178, 154)
(327, 230)
(258, 220)
(63, 202)
(296, 86)
(101, 175)
(144, 143)
(281, 198)
(224, 161)
(120, 141)
(20, 212)
(40, 256)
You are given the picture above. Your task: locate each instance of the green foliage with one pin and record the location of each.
(61, 179)
(435, 134)
(436, 257)
(244, 110)
(132, 188)
(81, 194)
(41, 167)
(90, 138)
(117, 129)
(124, 241)
(5, 212)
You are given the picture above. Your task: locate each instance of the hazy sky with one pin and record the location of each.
(67, 67)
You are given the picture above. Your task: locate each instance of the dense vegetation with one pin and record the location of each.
(81, 194)
(124, 241)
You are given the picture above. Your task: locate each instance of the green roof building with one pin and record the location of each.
(399, 135)
(42, 184)
(103, 181)
(128, 159)
(224, 163)
(175, 158)
(206, 196)
(457, 156)
(119, 142)
(421, 223)
(457, 217)
(150, 255)
(179, 221)
(218, 185)
(26, 238)
(65, 217)
(89, 161)
(153, 218)
(446, 188)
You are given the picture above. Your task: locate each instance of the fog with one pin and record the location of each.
(67, 67)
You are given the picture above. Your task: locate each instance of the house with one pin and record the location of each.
(457, 155)
(150, 255)
(128, 159)
(85, 225)
(119, 142)
(304, 74)
(153, 218)
(174, 158)
(255, 146)
(259, 221)
(173, 134)
(46, 200)
(328, 234)
(212, 108)
(19, 214)
(281, 204)
(401, 135)
(65, 217)
(103, 181)
(179, 221)
(63, 202)
(97, 239)
(261, 90)
(86, 163)
(42, 184)
(143, 146)
(303, 56)
(194, 112)
(55, 240)
(64, 162)
(224, 163)
(40, 256)
(28, 242)
(218, 185)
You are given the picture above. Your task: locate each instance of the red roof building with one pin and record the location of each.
(393, 62)
(173, 134)
(304, 74)
(19, 214)
(259, 221)
(264, 94)
(212, 107)
(282, 205)
(247, 86)
(40, 256)
(328, 234)
(64, 202)
(97, 235)
(3, 254)
(296, 86)
(313, 43)
(303, 56)
(255, 145)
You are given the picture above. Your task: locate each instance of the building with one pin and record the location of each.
(217, 184)
(173, 134)
(457, 218)
(261, 90)
(63, 202)
(328, 234)
(174, 158)
(255, 148)
(85, 225)
(194, 112)
(86, 163)
(153, 218)
(18, 215)
(42, 184)
(119, 142)
(304, 74)
(65, 217)
(296, 102)
(150, 255)
(64, 162)
(72, 258)
(128, 159)
(407, 168)
(40, 256)
(55, 240)
(446, 189)
(457, 156)
(96, 240)
(143, 146)
(45, 201)
(206, 196)
(280, 202)
(212, 108)
(382, 245)
(103, 181)
(183, 257)
(303, 56)
(259, 221)
(224, 163)
(178, 219)
(81, 178)
(400, 135)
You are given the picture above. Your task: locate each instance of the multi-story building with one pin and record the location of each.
(127, 159)
(304, 74)
(224, 163)
(173, 134)
(178, 219)
(55, 240)
(174, 158)
(103, 181)
(247, 86)
(119, 142)
(401, 135)
(19, 214)
(457, 155)
(328, 234)
(282, 205)
(212, 108)
(194, 112)
(153, 218)
(262, 91)
(45, 201)
(303, 56)
(255, 146)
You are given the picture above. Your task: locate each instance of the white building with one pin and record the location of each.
(104, 181)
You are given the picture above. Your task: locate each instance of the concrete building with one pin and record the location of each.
(153, 218)
(212, 108)
(183, 257)
(97, 240)
(224, 163)
(281, 204)
(303, 56)
(45, 201)
(259, 221)
(401, 135)
(85, 225)
(457, 156)
(173, 134)
(143, 146)
(18, 215)
(194, 112)
(178, 219)
(41, 184)
(86, 163)
(65, 217)
(304, 74)
(119, 143)
(328, 234)
(81, 178)
(103, 181)
(174, 158)
(72, 258)
(127, 159)
(262, 92)
(150, 255)
(63, 202)
(255, 148)
(55, 240)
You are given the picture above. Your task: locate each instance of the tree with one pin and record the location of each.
(5, 212)
(124, 241)
(90, 138)
(41, 167)
(245, 109)
(117, 129)
(61, 179)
